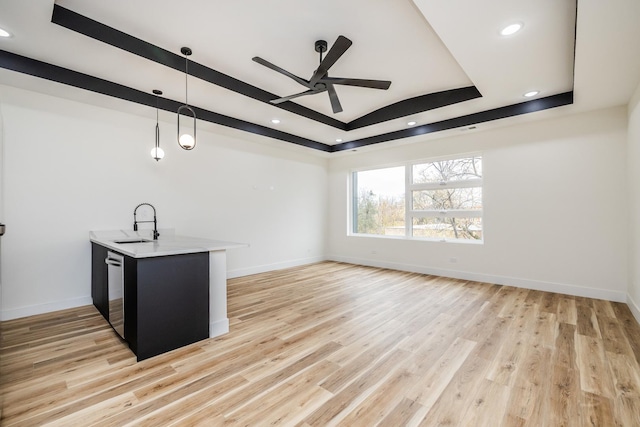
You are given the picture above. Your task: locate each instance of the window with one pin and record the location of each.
(379, 207)
(439, 200)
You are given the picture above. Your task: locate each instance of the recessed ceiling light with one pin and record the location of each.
(4, 33)
(511, 29)
(411, 123)
(338, 139)
(275, 121)
(532, 93)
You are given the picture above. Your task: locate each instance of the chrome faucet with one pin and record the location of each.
(155, 223)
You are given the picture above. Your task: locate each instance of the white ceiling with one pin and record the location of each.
(422, 46)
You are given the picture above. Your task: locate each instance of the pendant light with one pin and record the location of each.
(157, 152)
(185, 139)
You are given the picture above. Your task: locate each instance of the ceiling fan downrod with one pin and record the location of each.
(321, 47)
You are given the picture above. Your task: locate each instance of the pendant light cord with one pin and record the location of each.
(186, 79)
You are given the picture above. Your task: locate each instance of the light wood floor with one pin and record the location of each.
(337, 344)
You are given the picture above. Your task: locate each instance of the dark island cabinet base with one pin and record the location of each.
(99, 284)
(166, 301)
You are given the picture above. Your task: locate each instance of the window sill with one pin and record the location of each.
(418, 239)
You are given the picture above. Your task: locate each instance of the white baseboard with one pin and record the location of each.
(16, 313)
(231, 274)
(32, 310)
(219, 327)
(537, 285)
(634, 307)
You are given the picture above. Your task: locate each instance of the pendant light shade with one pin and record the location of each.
(186, 135)
(157, 152)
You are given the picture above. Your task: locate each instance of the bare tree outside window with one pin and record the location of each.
(445, 200)
(448, 170)
(454, 194)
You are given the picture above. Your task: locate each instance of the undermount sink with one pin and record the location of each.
(121, 242)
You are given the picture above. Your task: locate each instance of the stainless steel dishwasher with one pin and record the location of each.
(115, 266)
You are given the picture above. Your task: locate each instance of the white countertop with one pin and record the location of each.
(167, 244)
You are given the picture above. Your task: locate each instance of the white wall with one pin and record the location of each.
(554, 208)
(555, 200)
(634, 203)
(1, 195)
(71, 167)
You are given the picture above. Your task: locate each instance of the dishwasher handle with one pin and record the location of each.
(113, 261)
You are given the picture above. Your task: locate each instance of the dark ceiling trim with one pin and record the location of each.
(111, 36)
(99, 31)
(416, 105)
(33, 67)
(22, 64)
(463, 121)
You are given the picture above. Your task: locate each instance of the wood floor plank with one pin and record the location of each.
(533, 378)
(550, 302)
(627, 411)
(564, 398)
(567, 312)
(428, 388)
(546, 327)
(358, 366)
(603, 308)
(380, 402)
(338, 344)
(95, 414)
(596, 410)
(356, 391)
(287, 403)
(357, 342)
(513, 301)
(587, 322)
(64, 406)
(402, 413)
(184, 406)
(593, 367)
(505, 365)
(626, 375)
(481, 323)
(565, 348)
(488, 347)
(489, 405)
(458, 395)
(630, 327)
(613, 336)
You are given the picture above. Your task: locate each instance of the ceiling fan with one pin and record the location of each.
(320, 80)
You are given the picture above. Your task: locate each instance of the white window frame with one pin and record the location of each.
(411, 213)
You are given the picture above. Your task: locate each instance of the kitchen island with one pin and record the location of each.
(174, 288)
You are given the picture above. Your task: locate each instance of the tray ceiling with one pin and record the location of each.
(447, 61)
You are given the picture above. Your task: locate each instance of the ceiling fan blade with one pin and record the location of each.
(333, 97)
(373, 84)
(295, 95)
(268, 64)
(337, 50)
